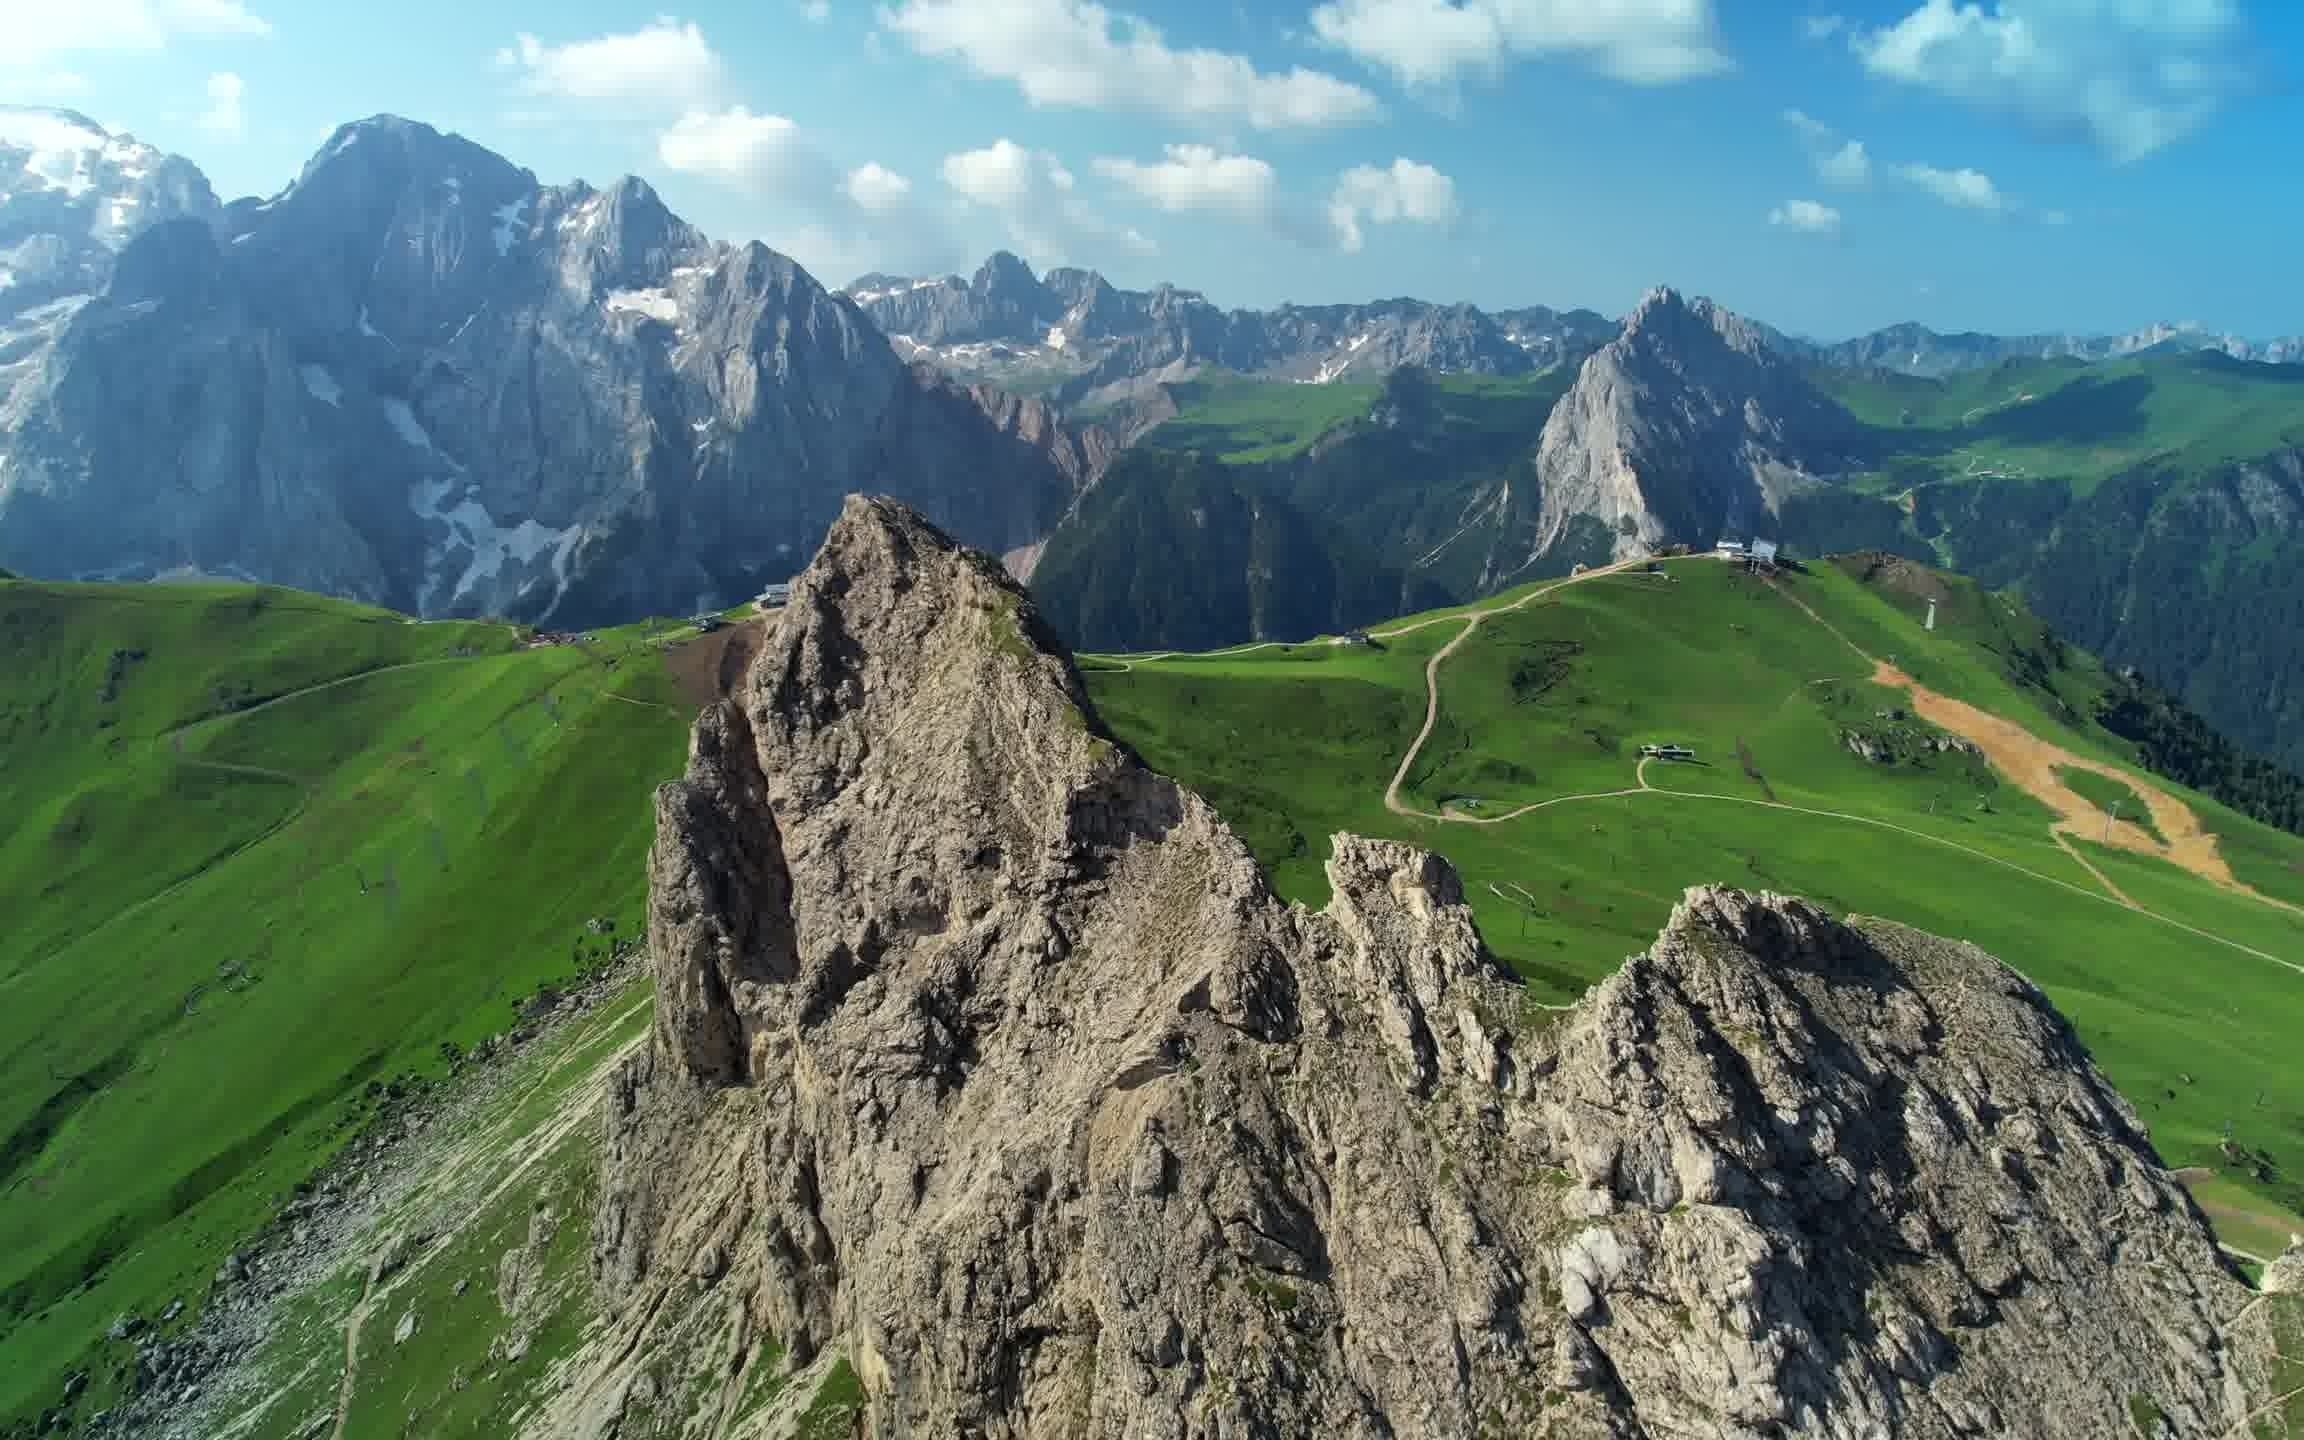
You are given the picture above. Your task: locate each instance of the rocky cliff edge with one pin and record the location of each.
(985, 1058)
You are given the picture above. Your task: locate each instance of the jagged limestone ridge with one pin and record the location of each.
(986, 1058)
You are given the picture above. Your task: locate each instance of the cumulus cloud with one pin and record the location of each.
(1964, 188)
(663, 61)
(735, 145)
(1035, 199)
(1431, 42)
(1001, 174)
(1837, 161)
(1404, 191)
(875, 187)
(1810, 216)
(1202, 179)
(1075, 53)
(224, 115)
(830, 219)
(2131, 75)
(1199, 177)
(37, 33)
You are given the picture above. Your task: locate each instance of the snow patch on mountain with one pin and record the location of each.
(407, 426)
(322, 386)
(511, 224)
(655, 304)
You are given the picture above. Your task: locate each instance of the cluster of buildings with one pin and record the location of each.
(1756, 555)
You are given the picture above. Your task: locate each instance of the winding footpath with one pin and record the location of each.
(1472, 621)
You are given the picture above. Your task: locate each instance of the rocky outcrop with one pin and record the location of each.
(2285, 1275)
(419, 377)
(987, 1058)
(1686, 426)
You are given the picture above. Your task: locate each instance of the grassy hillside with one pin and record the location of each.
(1247, 421)
(2076, 421)
(2187, 1001)
(1243, 420)
(2126, 498)
(272, 853)
(1307, 481)
(2131, 500)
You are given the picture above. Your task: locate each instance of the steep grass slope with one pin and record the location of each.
(1272, 510)
(271, 854)
(2150, 508)
(2191, 1003)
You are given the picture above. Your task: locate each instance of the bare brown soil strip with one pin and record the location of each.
(707, 668)
(2031, 764)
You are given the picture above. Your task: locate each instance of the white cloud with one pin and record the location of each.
(733, 145)
(2132, 75)
(1198, 177)
(1808, 125)
(817, 11)
(39, 31)
(1406, 190)
(876, 188)
(1000, 175)
(833, 221)
(1077, 53)
(666, 61)
(1848, 165)
(1810, 216)
(1837, 162)
(1965, 188)
(1035, 198)
(1428, 42)
(1823, 27)
(224, 115)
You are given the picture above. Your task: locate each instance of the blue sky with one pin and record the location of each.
(1828, 167)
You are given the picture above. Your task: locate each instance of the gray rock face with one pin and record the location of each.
(416, 376)
(1103, 344)
(1686, 426)
(2285, 1275)
(986, 1056)
(71, 195)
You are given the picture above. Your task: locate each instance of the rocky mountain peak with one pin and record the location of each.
(174, 261)
(1686, 426)
(426, 380)
(72, 196)
(1004, 273)
(1664, 317)
(986, 1056)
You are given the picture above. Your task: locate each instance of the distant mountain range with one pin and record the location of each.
(1090, 343)
(1073, 334)
(419, 377)
(1912, 349)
